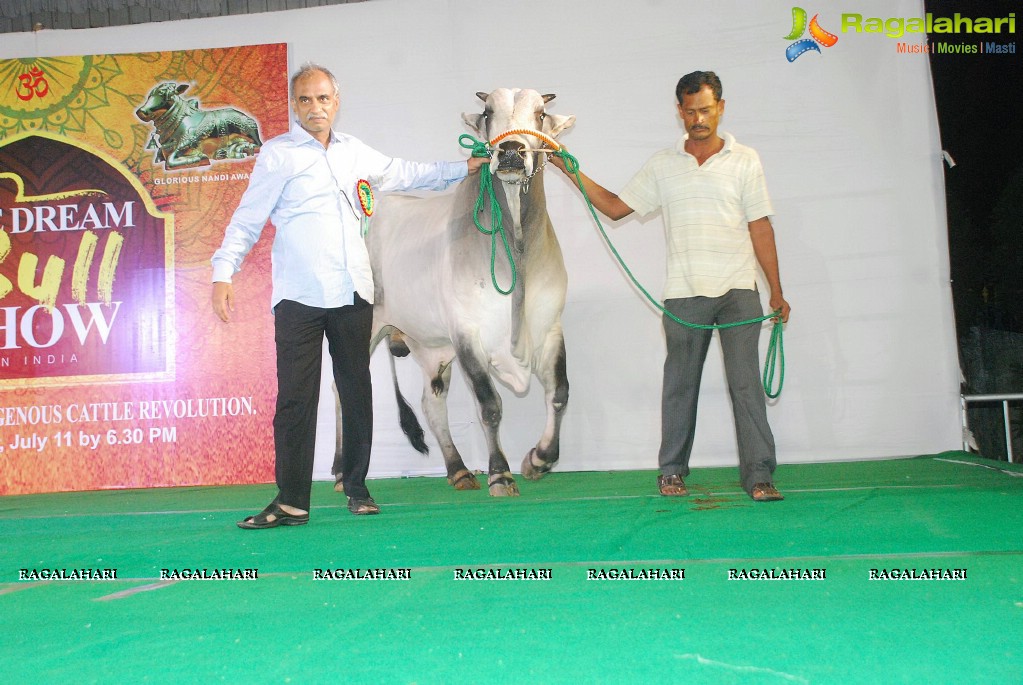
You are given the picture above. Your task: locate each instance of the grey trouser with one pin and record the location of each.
(683, 367)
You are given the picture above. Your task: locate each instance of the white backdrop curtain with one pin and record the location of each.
(849, 142)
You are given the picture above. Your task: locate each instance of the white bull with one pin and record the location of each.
(436, 298)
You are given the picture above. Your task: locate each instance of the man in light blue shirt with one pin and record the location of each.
(304, 181)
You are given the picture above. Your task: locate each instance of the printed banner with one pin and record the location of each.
(118, 174)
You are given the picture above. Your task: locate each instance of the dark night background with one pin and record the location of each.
(978, 101)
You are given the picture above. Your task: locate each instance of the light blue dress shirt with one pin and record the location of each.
(319, 257)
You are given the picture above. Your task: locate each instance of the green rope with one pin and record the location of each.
(480, 149)
(775, 358)
(775, 349)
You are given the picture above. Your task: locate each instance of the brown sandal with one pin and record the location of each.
(672, 486)
(363, 506)
(765, 492)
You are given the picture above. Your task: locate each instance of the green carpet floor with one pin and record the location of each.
(948, 511)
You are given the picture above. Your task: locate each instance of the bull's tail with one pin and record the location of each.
(410, 425)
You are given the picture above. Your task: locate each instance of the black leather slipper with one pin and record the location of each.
(273, 516)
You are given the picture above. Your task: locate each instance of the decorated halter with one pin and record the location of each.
(552, 147)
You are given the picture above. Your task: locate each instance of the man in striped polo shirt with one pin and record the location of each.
(716, 213)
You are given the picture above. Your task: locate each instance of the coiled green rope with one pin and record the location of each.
(480, 149)
(775, 359)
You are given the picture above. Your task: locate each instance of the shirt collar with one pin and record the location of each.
(302, 137)
(729, 139)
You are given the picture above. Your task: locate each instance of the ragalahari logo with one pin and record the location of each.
(818, 36)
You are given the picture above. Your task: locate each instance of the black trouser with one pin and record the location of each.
(298, 332)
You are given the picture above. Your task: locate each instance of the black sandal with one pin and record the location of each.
(280, 518)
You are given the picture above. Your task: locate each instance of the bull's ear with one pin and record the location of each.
(549, 96)
(476, 122)
(182, 88)
(481, 95)
(558, 123)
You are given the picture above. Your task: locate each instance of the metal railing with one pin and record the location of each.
(1005, 399)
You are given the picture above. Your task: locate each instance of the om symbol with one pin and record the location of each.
(32, 84)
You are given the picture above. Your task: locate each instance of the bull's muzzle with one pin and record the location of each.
(511, 156)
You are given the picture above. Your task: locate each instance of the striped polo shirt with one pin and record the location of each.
(706, 214)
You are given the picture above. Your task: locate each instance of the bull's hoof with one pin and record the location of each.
(502, 485)
(535, 468)
(464, 480)
(338, 485)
